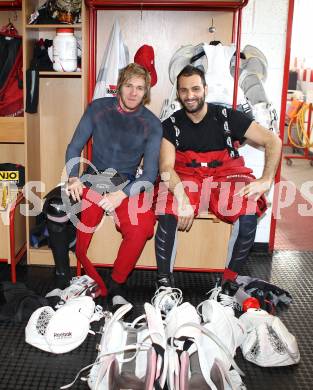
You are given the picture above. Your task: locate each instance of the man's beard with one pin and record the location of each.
(130, 108)
(198, 107)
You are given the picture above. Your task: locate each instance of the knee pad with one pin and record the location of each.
(57, 206)
(54, 208)
(59, 226)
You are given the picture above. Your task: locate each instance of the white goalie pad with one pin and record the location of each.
(252, 87)
(260, 67)
(196, 352)
(265, 114)
(131, 355)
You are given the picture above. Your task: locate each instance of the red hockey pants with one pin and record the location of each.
(135, 223)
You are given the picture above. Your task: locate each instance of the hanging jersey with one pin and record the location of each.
(218, 78)
(11, 77)
(115, 57)
(207, 135)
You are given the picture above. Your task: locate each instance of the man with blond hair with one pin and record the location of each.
(123, 132)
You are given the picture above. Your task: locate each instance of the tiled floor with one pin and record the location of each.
(295, 231)
(299, 172)
(25, 368)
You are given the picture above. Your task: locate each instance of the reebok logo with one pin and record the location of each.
(62, 335)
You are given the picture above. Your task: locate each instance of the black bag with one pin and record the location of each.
(17, 302)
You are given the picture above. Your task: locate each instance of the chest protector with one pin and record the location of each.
(218, 76)
(217, 163)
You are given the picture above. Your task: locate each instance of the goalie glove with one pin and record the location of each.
(264, 291)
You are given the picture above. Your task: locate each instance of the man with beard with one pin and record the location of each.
(123, 132)
(201, 170)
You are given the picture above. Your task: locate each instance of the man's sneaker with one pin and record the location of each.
(79, 286)
(165, 298)
(165, 280)
(62, 281)
(117, 295)
(226, 295)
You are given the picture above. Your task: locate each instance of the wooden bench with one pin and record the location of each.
(203, 248)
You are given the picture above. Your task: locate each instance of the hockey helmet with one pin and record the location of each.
(57, 205)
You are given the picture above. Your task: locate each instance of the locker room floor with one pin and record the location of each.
(24, 367)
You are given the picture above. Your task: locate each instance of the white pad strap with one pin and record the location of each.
(218, 342)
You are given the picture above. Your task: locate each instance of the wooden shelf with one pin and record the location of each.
(10, 5)
(47, 26)
(60, 74)
(171, 4)
(43, 256)
(12, 129)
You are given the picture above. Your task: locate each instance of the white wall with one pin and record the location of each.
(302, 32)
(264, 25)
(165, 31)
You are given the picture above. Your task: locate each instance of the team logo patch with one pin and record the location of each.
(177, 131)
(111, 89)
(226, 127)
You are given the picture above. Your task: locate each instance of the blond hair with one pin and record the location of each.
(135, 70)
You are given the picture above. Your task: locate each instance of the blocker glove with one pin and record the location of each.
(264, 291)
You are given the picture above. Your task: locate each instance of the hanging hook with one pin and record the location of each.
(212, 29)
(141, 9)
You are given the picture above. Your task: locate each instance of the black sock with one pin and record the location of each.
(165, 243)
(244, 242)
